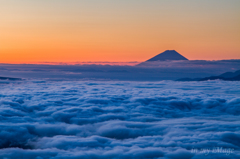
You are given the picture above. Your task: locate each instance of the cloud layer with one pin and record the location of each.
(164, 70)
(87, 119)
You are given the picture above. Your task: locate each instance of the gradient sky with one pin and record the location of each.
(117, 30)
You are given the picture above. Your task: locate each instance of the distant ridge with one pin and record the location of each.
(228, 76)
(9, 78)
(168, 55)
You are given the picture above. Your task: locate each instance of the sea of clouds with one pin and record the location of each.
(113, 119)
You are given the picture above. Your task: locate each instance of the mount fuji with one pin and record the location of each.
(168, 55)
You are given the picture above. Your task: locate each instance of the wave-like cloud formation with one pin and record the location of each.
(58, 120)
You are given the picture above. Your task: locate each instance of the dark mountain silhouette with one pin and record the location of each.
(236, 78)
(10, 78)
(228, 76)
(168, 55)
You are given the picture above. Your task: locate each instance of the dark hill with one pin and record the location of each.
(10, 78)
(228, 76)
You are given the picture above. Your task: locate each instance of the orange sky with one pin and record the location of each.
(134, 30)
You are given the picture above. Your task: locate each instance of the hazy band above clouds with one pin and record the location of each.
(145, 72)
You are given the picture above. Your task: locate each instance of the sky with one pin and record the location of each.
(117, 31)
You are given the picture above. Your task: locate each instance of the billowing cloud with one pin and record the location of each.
(90, 119)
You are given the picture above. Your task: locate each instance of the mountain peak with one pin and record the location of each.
(168, 55)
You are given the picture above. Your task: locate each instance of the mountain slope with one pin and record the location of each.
(10, 78)
(228, 76)
(168, 55)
